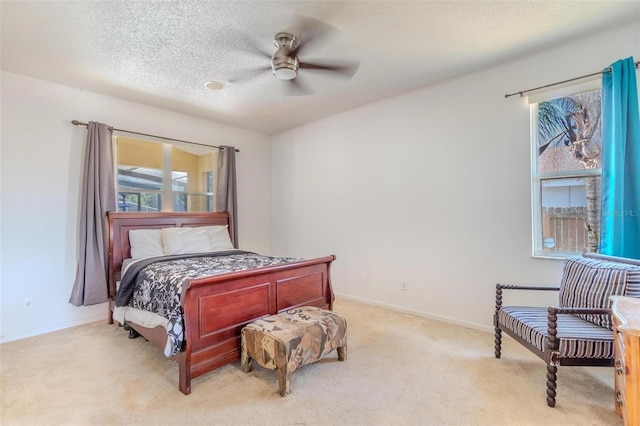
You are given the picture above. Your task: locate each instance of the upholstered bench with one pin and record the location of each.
(291, 339)
(577, 332)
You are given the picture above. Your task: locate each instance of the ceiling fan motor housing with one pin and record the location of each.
(284, 64)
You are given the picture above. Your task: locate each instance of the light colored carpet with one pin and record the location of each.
(402, 370)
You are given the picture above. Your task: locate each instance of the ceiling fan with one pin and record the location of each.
(286, 63)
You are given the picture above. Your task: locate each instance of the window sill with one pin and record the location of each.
(554, 256)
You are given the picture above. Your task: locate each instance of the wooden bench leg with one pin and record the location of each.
(282, 368)
(342, 352)
(284, 381)
(498, 342)
(246, 362)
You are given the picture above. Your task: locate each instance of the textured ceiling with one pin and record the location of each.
(161, 53)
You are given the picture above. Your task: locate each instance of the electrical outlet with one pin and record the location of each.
(363, 278)
(404, 285)
(28, 304)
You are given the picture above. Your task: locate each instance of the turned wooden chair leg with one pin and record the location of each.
(498, 332)
(552, 370)
(551, 385)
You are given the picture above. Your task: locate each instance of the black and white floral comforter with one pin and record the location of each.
(155, 284)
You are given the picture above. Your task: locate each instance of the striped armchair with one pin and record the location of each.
(579, 330)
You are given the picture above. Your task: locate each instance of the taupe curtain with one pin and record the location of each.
(98, 197)
(226, 189)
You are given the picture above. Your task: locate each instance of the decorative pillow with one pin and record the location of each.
(588, 283)
(219, 238)
(186, 240)
(145, 243)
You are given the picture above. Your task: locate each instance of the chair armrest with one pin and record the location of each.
(554, 310)
(523, 287)
(552, 318)
(500, 287)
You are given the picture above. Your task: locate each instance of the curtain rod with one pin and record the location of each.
(79, 123)
(564, 81)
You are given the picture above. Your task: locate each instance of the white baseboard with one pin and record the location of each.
(44, 330)
(450, 320)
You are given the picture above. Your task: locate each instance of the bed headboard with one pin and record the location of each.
(119, 224)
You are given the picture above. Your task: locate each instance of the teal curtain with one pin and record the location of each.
(620, 226)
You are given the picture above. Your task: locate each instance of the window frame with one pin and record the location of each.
(537, 249)
(167, 193)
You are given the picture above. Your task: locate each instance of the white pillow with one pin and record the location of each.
(145, 243)
(186, 240)
(219, 238)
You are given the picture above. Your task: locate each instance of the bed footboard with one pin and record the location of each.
(216, 309)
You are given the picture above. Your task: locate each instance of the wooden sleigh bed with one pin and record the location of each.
(217, 307)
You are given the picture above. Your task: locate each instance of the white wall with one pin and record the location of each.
(40, 185)
(431, 187)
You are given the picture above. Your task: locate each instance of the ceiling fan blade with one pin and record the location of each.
(245, 43)
(262, 54)
(249, 74)
(346, 70)
(310, 31)
(296, 88)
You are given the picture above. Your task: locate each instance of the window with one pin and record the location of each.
(155, 176)
(566, 168)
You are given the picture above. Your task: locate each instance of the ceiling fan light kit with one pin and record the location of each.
(284, 62)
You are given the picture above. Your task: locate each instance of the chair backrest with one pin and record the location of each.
(633, 276)
(589, 281)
